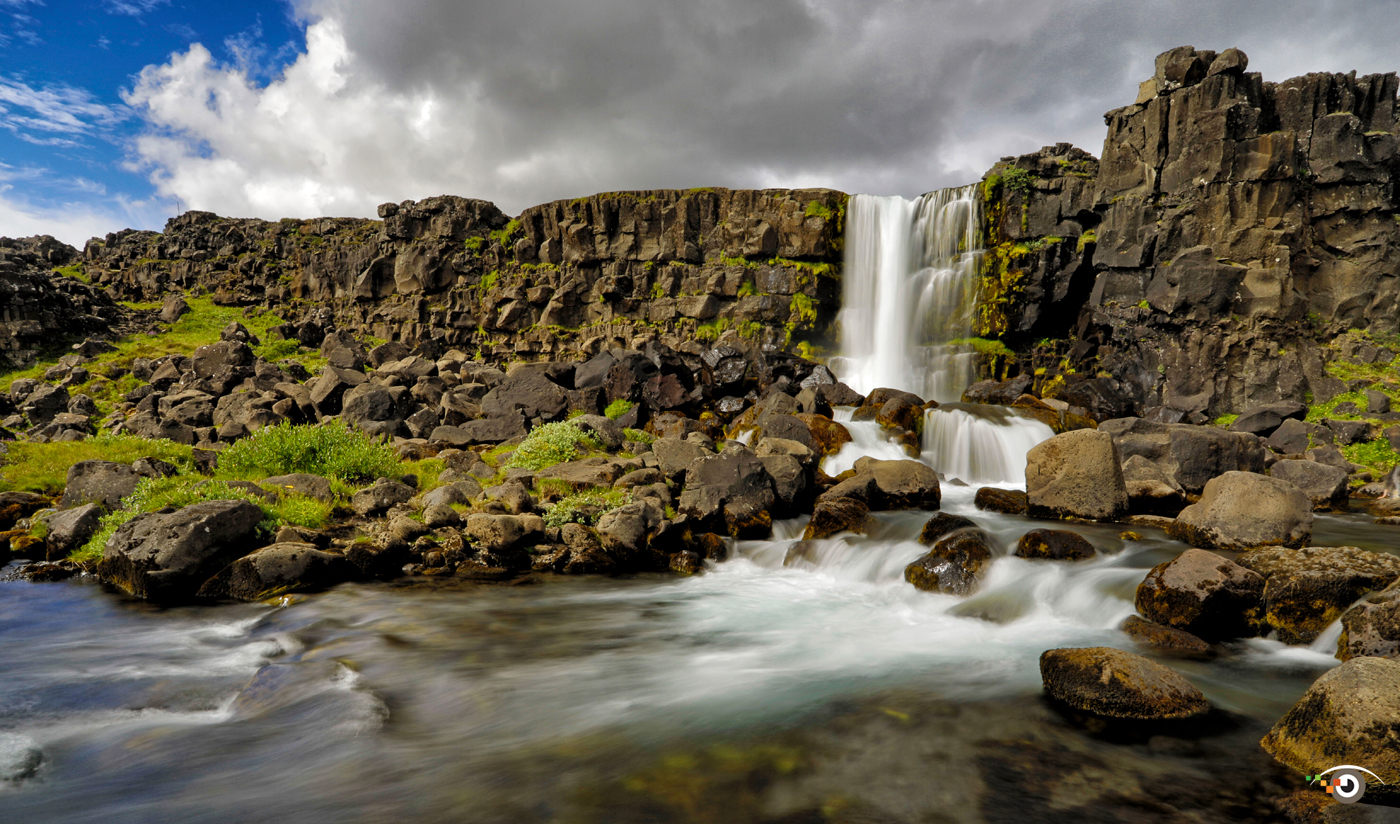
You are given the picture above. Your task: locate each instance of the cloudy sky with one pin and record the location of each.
(117, 113)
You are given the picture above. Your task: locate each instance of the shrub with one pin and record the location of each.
(584, 507)
(551, 444)
(618, 408)
(332, 450)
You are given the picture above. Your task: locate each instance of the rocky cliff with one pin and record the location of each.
(578, 276)
(37, 309)
(1233, 228)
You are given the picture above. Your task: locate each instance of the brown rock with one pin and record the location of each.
(1203, 594)
(1116, 684)
(1054, 545)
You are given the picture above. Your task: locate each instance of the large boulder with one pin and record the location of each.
(955, 565)
(1115, 684)
(1190, 455)
(69, 529)
(377, 499)
(900, 484)
(1351, 715)
(277, 569)
(1305, 590)
(1005, 501)
(1325, 486)
(165, 556)
(301, 483)
(1203, 594)
(730, 492)
(1263, 420)
(99, 482)
(1243, 510)
(1372, 627)
(624, 531)
(1076, 475)
(483, 431)
(530, 393)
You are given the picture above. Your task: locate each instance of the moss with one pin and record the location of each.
(584, 507)
(803, 309)
(618, 408)
(747, 289)
(985, 347)
(1086, 239)
(76, 272)
(711, 330)
(737, 261)
(818, 209)
(1225, 420)
(474, 244)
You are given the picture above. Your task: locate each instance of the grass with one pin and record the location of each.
(1225, 420)
(551, 444)
(638, 435)
(428, 470)
(183, 490)
(43, 467)
(584, 507)
(618, 408)
(983, 346)
(332, 450)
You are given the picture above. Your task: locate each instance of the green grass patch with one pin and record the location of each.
(331, 450)
(550, 444)
(76, 272)
(43, 467)
(1377, 456)
(1225, 420)
(639, 436)
(618, 408)
(983, 346)
(584, 507)
(712, 330)
(428, 471)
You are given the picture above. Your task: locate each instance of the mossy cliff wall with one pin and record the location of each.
(1232, 228)
(563, 279)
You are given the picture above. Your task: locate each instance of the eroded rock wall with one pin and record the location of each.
(39, 310)
(568, 277)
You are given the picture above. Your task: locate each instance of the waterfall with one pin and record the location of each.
(982, 445)
(910, 291)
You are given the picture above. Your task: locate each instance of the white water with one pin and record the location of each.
(982, 445)
(910, 290)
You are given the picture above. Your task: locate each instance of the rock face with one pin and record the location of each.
(1242, 510)
(1306, 590)
(1351, 715)
(1116, 684)
(1202, 593)
(1076, 474)
(571, 276)
(40, 309)
(166, 556)
(1188, 455)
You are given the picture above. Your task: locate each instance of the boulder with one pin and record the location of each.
(458, 492)
(791, 483)
(483, 431)
(1294, 437)
(1054, 545)
(1112, 683)
(329, 388)
(583, 474)
(900, 484)
(437, 516)
(1351, 715)
(527, 392)
(69, 529)
(624, 530)
(1189, 455)
(277, 569)
(1163, 638)
(174, 307)
(1005, 501)
(100, 482)
(377, 499)
(208, 361)
(835, 515)
(165, 556)
(1151, 491)
(674, 456)
(1325, 486)
(1305, 590)
(730, 492)
(496, 533)
(1372, 627)
(1243, 510)
(954, 565)
(301, 483)
(1202, 593)
(943, 524)
(1263, 420)
(1076, 475)
(375, 561)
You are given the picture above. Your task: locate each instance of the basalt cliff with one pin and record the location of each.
(1234, 236)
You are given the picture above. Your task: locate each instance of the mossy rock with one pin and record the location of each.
(954, 565)
(1054, 545)
(1202, 593)
(1112, 683)
(832, 516)
(1307, 589)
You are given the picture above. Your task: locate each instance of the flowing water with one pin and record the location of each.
(910, 289)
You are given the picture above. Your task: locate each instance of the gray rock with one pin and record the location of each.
(1377, 403)
(458, 492)
(165, 556)
(1054, 545)
(1076, 474)
(1150, 489)
(69, 529)
(277, 569)
(955, 565)
(1305, 590)
(1189, 455)
(1325, 486)
(1372, 627)
(301, 483)
(1242, 510)
(1263, 420)
(100, 482)
(495, 533)
(437, 516)
(674, 456)
(380, 497)
(624, 530)
(483, 431)
(900, 484)
(730, 492)
(1296, 437)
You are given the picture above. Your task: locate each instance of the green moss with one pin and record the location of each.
(747, 288)
(1017, 180)
(1086, 239)
(803, 309)
(818, 209)
(711, 330)
(474, 244)
(737, 261)
(638, 436)
(75, 271)
(983, 346)
(1225, 420)
(618, 408)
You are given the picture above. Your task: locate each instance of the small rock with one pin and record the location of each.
(1054, 545)
(943, 524)
(955, 564)
(1005, 501)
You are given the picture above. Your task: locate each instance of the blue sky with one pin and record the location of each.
(117, 112)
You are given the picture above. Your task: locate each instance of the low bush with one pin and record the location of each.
(584, 507)
(550, 444)
(331, 450)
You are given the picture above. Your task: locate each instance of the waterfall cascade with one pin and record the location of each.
(910, 291)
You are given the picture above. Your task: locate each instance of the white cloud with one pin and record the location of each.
(58, 115)
(133, 8)
(533, 100)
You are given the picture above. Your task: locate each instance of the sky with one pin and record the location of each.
(122, 113)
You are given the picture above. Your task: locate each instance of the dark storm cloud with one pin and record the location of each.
(529, 101)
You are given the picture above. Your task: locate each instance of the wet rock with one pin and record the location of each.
(791, 483)
(165, 556)
(301, 483)
(835, 515)
(1242, 510)
(828, 436)
(1163, 638)
(1372, 627)
(1307, 589)
(1351, 715)
(375, 561)
(278, 569)
(1325, 486)
(1150, 489)
(1054, 545)
(900, 484)
(1203, 594)
(687, 562)
(943, 524)
(1005, 501)
(380, 497)
(100, 482)
(1115, 684)
(1004, 392)
(732, 489)
(69, 529)
(1076, 474)
(954, 565)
